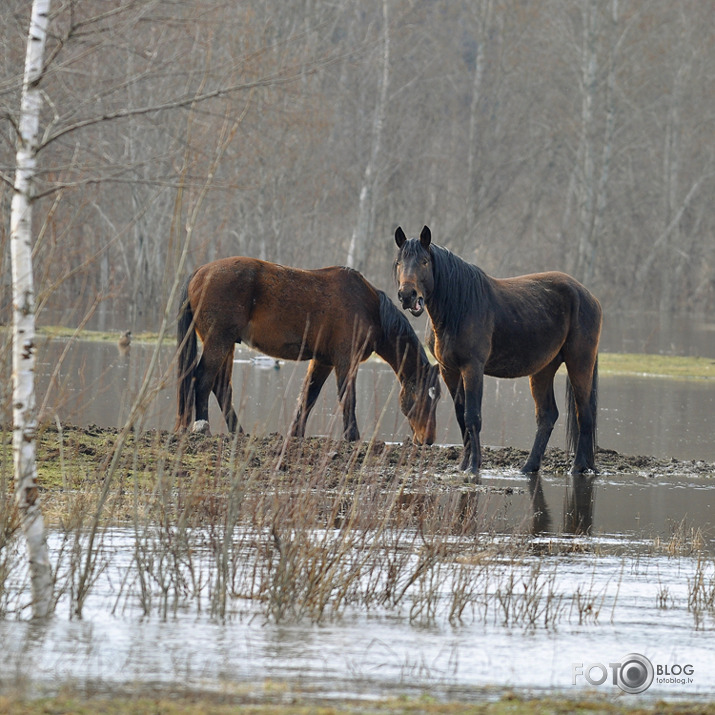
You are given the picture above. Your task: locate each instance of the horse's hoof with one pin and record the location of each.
(471, 465)
(201, 427)
(578, 470)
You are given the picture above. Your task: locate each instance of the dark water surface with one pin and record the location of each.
(637, 415)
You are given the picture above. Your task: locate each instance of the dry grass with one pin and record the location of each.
(298, 529)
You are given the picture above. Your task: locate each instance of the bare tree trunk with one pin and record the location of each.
(23, 298)
(608, 136)
(593, 184)
(586, 185)
(357, 252)
(476, 186)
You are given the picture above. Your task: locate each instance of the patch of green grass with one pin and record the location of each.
(220, 704)
(57, 332)
(75, 456)
(668, 366)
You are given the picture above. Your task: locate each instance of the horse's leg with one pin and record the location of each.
(542, 390)
(583, 385)
(453, 380)
(473, 380)
(346, 394)
(312, 385)
(212, 359)
(224, 393)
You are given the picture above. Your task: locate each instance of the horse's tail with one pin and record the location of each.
(185, 360)
(572, 429)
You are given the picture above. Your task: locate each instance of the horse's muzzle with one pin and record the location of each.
(411, 301)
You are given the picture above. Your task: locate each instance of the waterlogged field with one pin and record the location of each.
(292, 575)
(238, 568)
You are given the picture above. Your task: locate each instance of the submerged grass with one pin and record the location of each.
(300, 529)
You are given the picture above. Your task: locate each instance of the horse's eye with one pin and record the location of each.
(425, 262)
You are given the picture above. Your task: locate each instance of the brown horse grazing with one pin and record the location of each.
(331, 316)
(513, 327)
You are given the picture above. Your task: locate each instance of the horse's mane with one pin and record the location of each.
(459, 288)
(397, 333)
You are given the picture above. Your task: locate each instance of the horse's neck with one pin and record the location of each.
(468, 279)
(404, 362)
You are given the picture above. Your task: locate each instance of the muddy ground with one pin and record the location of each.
(85, 453)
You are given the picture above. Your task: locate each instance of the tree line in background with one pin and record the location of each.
(530, 136)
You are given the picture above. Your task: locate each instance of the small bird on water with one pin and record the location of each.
(125, 343)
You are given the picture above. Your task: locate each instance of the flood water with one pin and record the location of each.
(627, 562)
(624, 586)
(663, 418)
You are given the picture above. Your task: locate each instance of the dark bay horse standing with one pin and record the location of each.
(512, 327)
(331, 316)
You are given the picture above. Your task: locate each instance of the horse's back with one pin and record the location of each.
(534, 317)
(285, 312)
(550, 295)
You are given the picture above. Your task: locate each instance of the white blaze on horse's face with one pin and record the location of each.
(422, 413)
(423, 420)
(413, 270)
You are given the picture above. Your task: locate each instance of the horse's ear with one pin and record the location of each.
(425, 237)
(400, 237)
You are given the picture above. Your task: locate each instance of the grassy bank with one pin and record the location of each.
(663, 366)
(224, 704)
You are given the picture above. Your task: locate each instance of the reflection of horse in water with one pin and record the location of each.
(540, 516)
(466, 512)
(578, 506)
(454, 511)
(578, 511)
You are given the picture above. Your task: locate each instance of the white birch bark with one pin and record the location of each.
(23, 299)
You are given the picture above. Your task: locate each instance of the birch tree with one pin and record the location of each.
(23, 305)
(357, 251)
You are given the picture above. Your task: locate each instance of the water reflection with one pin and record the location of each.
(540, 514)
(652, 508)
(383, 654)
(580, 497)
(658, 333)
(380, 653)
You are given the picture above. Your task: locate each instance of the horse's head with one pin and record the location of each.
(418, 402)
(413, 270)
